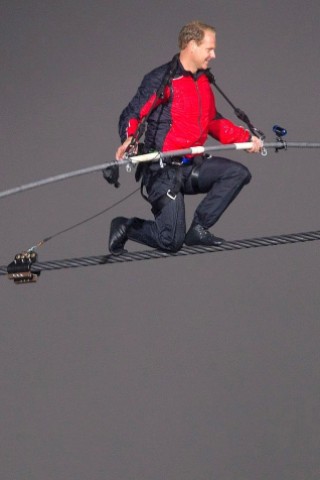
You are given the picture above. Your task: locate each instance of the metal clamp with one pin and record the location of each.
(280, 133)
(20, 269)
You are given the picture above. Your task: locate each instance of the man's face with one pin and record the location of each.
(203, 53)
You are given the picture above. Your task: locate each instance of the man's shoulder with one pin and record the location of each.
(160, 70)
(173, 65)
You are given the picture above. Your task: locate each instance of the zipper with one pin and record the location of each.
(200, 107)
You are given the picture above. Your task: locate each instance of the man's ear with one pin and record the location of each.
(192, 45)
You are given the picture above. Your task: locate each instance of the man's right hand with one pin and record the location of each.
(122, 149)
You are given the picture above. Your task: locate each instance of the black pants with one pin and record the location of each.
(221, 179)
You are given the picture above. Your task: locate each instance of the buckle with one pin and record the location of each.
(176, 161)
(171, 195)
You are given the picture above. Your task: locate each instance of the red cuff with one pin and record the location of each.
(132, 127)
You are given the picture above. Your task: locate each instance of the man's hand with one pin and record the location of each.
(257, 145)
(122, 149)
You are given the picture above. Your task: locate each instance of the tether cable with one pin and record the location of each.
(155, 156)
(185, 251)
(45, 240)
(237, 111)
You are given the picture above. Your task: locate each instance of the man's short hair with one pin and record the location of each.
(193, 31)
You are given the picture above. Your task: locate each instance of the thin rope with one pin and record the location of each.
(152, 157)
(157, 254)
(45, 240)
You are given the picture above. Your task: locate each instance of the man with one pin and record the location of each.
(181, 113)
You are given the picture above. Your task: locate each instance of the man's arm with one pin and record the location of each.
(143, 101)
(225, 131)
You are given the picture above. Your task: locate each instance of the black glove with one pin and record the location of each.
(111, 174)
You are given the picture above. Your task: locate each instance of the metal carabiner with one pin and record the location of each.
(264, 151)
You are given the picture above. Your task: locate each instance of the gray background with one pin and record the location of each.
(189, 368)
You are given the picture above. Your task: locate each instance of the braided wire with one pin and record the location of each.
(157, 254)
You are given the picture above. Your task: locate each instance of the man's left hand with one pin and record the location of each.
(257, 145)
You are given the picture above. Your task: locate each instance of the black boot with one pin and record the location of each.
(118, 235)
(198, 235)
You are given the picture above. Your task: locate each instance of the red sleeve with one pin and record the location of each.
(150, 103)
(143, 101)
(226, 132)
(132, 127)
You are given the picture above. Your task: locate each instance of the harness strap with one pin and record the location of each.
(175, 188)
(194, 177)
(170, 195)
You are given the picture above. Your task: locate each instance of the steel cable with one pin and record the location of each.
(157, 254)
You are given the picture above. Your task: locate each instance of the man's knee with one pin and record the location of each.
(170, 224)
(239, 171)
(171, 242)
(246, 174)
